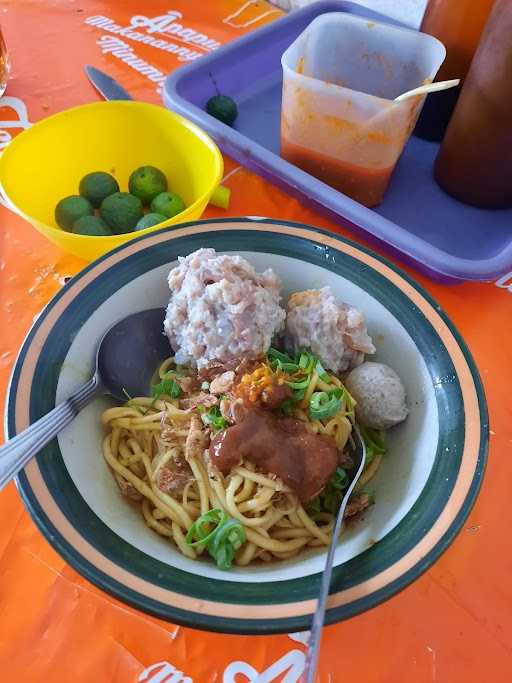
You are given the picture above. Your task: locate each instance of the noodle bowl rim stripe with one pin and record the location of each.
(251, 616)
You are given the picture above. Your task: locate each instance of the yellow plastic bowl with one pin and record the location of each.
(46, 163)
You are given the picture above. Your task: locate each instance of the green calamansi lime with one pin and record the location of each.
(92, 226)
(98, 185)
(149, 220)
(121, 211)
(70, 209)
(222, 108)
(169, 204)
(146, 183)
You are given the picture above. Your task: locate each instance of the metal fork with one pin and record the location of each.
(359, 451)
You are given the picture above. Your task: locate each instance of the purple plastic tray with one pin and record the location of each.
(417, 221)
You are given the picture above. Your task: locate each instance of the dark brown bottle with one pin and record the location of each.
(458, 24)
(475, 160)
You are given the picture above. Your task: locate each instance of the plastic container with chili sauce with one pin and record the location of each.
(339, 122)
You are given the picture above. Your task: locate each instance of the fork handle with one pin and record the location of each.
(310, 665)
(17, 452)
(319, 617)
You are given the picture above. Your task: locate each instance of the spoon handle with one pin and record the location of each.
(315, 635)
(16, 453)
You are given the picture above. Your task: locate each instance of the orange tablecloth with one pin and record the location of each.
(452, 625)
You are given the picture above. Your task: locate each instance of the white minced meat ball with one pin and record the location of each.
(334, 331)
(380, 395)
(221, 309)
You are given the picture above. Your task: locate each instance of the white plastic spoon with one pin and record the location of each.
(428, 88)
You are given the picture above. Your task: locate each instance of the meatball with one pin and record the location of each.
(380, 395)
(221, 309)
(334, 331)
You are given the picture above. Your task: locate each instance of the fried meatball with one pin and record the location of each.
(221, 309)
(333, 330)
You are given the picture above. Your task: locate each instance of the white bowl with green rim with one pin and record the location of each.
(423, 492)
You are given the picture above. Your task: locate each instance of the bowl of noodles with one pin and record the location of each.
(209, 500)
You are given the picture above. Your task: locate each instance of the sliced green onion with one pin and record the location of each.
(205, 386)
(214, 418)
(167, 387)
(339, 479)
(337, 399)
(290, 368)
(274, 354)
(324, 376)
(324, 404)
(228, 538)
(281, 361)
(307, 361)
(201, 530)
(330, 499)
(303, 384)
(304, 360)
(374, 438)
(375, 442)
(220, 534)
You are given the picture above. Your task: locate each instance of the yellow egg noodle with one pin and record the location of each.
(276, 525)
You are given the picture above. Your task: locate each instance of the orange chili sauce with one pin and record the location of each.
(365, 185)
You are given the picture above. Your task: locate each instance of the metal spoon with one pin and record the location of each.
(359, 454)
(127, 357)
